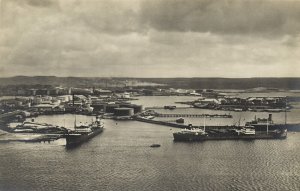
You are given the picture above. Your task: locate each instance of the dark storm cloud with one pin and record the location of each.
(137, 38)
(223, 16)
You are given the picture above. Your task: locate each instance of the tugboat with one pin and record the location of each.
(170, 107)
(155, 145)
(84, 132)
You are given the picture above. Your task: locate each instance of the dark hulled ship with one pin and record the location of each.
(245, 133)
(84, 132)
(252, 130)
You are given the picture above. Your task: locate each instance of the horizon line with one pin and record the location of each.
(144, 77)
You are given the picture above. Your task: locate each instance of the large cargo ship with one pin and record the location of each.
(248, 132)
(84, 132)
(245, 133)
(264, 123)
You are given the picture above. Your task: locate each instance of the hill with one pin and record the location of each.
(192, 83)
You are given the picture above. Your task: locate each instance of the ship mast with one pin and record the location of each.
(204, 123)
(75, 122)
(267, 126)
(285, 114)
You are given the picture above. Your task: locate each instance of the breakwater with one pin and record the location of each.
(43, 138)
(290, 127)
(176, 125)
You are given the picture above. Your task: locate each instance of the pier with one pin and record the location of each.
(43, 138)
(194, 115)
(177, 125)
(159, 107)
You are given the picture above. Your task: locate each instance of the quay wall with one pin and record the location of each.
(176, 125)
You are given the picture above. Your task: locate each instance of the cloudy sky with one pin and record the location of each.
(150, 38)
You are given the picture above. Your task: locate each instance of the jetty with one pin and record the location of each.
(194, 115)
(159, 107)
(39, 139)
(177, 125)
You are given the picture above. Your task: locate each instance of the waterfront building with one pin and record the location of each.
(44, 107)
(81, 91)
(125, 95)
(64, 98)
(102, 92)
(21, 92)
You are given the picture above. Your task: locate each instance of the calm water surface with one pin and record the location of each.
(121, 159)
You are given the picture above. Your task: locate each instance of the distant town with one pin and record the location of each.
(113, 100)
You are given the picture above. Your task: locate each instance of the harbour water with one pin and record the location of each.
(121, 159)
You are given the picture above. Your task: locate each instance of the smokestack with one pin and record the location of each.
(270, 117)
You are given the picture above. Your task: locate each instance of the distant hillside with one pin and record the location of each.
(193, 83)
(56, 81)
(230, 83)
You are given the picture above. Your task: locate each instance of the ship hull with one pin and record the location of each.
(289, 127)
(77, 139)
(192, 137)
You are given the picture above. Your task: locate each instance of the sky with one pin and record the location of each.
(150, 38)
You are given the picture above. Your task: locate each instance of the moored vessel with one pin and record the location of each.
(247, 132)
(84, 133)
(227, 134)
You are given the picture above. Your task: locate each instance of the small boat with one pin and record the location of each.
(180, 120)
(155, 145)
(171, 107)
(237, 109)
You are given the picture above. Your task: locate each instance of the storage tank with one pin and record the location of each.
(128, 105)
(110, 108)
(124, 111)
(137, 108)
(99, 107)
(37, 100)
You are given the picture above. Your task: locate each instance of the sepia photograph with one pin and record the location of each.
(149, 95)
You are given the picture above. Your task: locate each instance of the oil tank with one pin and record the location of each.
(99, 107)
(110, 108)
(137, 108)
(123, 111)
(128, 105)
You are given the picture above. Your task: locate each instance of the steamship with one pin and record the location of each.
(84, 133)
